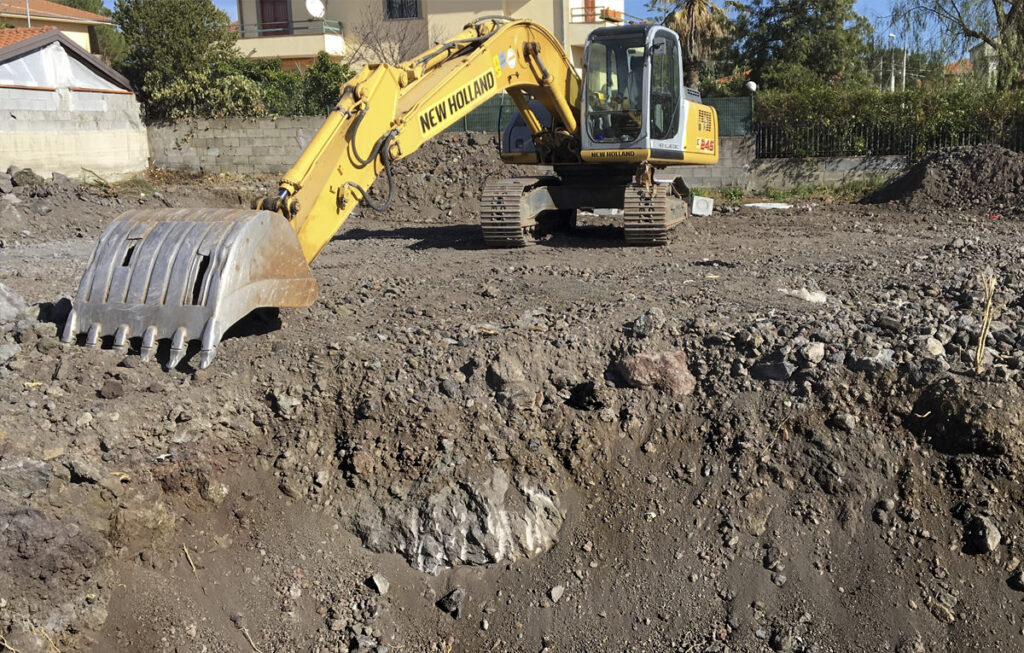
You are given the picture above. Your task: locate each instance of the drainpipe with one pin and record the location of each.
(561, 25)
(28, 14)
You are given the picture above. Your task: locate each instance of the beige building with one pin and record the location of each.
(76, 24)
(392, 30)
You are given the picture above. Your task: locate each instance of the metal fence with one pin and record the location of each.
(735, 114)
(288, 27)
(491, 116)
(780, 141)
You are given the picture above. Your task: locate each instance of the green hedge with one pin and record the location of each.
(853, 121)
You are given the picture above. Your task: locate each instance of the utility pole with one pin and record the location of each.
(892, 63)
(903, 78)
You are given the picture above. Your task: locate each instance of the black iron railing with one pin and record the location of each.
(780, 141)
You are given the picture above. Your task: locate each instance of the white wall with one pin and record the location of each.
(67, 131)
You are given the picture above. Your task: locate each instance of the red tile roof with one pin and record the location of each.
(956, 68)
(44, 9)
(12, 36)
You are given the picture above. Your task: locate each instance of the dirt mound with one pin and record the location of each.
(983, 178)
(441, 182)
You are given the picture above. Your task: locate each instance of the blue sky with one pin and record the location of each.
(874, 10)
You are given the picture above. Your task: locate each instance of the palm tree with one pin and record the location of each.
(699, 23)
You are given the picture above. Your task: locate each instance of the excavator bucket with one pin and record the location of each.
(187, 274)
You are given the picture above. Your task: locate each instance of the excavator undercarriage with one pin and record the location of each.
(515, 212)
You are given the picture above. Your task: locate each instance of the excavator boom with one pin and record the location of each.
(188, 275)
(387, 112)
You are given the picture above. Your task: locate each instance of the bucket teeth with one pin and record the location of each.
(70, 327)
(209, 344)
(121, 337)
(206, 357)
(179, 345)
(93, 339)
(186, 272)
(148, 344)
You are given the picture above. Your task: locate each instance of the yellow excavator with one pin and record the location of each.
(187, 274)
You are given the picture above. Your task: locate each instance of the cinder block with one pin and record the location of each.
(702, 206)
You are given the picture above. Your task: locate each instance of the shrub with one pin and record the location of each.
(853, 121)
(321, 85)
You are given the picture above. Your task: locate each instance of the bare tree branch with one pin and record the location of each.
(378, 39)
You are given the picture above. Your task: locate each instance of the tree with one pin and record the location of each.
(169, 41)
(700, 24)
(789, 44)
(962, 24)
(109, 41)
(321, 86)
(377, 39)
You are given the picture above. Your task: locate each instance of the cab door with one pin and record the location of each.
(664, 95)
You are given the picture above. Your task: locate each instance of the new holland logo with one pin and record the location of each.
(449, 108)
(614, 154)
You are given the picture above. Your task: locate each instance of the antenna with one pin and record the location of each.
(315, 8)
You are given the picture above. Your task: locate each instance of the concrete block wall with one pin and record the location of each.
(232, 145)
(70, 131)
(735, 155)
(241, 146)
(824, 171)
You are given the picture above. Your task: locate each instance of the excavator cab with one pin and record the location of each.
(635, 107)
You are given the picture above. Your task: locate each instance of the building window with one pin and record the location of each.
(274, 18)
(396, 9)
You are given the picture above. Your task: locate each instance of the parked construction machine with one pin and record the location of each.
(188, 274)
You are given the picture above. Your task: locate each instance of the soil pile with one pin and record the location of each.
(982, 178)
(442, 181)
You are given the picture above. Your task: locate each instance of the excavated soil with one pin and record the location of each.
(768, 435)
(978, 178)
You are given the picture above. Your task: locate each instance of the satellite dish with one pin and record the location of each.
(315, 8)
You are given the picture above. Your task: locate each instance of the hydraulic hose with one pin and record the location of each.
(382, 148)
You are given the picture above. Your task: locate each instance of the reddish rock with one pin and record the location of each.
(665, 371)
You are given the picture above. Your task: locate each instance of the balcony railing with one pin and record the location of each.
(594, 15)
(289, 28)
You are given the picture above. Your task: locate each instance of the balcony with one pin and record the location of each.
(291, 40)
(584, 20)
(591, 15)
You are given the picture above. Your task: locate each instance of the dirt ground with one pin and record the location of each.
(768, 435)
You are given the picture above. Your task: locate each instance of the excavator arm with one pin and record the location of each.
(388, 112)
(187, 275)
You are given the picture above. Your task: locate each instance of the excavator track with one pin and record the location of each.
(501, 216)
(645, 215)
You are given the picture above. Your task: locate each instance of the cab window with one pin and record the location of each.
(615, 78)
(665, 89)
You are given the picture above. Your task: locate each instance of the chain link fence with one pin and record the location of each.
(491, 116)
(735, 114)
